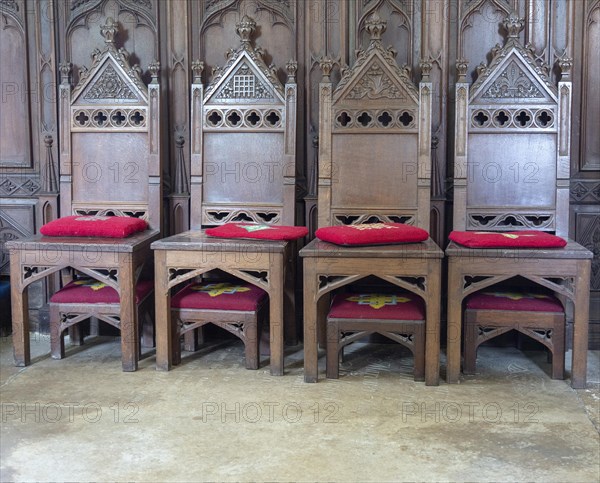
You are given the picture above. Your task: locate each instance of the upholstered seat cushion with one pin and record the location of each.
(258, 231)
(94, 226)
(219, 296)
(521, 301)
(512, 239)
(392, 306)
(90, 291)
(372, 234)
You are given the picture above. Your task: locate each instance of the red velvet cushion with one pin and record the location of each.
(525, 301)
(372, 234)
(397, 306)
(90, 291)
(219, 296)
(97, 226)
(521, 239)
(258, 231)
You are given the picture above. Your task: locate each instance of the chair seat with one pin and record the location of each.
(219, 296)
(518, 301)
(391, 306)
(90, 291)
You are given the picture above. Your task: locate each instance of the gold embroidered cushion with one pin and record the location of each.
(219, 296)
(514, 300)
(385, 306)
(258, 231)
(520, 239)
(372, 234)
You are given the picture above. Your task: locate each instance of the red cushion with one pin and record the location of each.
(521, 239)
(522, 301)
(396, 306)
(97, 226)
(372, 234)
(258, 231)
(219, 296)
(90, 291)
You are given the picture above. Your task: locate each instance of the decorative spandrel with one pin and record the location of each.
(512, 83)
(109, 86)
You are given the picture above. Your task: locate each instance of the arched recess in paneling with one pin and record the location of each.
(15, 122)
(138, 34)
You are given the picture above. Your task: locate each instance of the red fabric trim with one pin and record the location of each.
(397, 306)
(258, 231)
(521, 239)
(372, 234)
(520, 301)
(90, 291)
(219, 296)
(94, 226)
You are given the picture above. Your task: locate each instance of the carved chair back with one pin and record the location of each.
(512, 154)
(243, 140)
(374, 140)
(110, 139)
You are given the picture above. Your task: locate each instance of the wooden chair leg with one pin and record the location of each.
(470, 346)
(176, 343)
(558, 352)
(190, 341)
(419, 352)
(76, 334)
(251, 342)
(57, 341)
(333, 350)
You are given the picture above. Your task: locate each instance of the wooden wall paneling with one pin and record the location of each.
(326, 37)
(178, 55)
(585, 145)
(435, 29)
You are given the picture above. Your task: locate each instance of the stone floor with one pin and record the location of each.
(82, 419)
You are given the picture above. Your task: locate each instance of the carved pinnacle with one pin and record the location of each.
(565, 64)
(154, 68)
(425, 65)
(461, 69)
(197, 68)
(245, 29)
(513, 25)
(65, 71)
(109, 31)
(326, 64)
(375, 26)
(291, 67)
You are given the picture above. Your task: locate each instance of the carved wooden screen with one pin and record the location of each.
(512, 147)
(374, 142)
(243, 140)
(110, 140)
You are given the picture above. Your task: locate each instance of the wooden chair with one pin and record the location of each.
(243, 169)
(110, 157)
(512, 161)
(374, 166)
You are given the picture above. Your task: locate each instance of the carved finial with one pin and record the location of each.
(181, 179)
(197, 68)
(461, 69)
(245, 29)
(154, 68)
(291, 67)
(50, 179)
(425, 65)
(326, 64)
(565, 64)
(65, 71)
(513, 25)
(375, 26)
(109, 30)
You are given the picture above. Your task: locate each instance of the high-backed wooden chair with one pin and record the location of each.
(512, 161)
(374, 166)
(243, 169)
(110, 165)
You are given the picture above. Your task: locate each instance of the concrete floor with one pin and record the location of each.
(82, 419)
